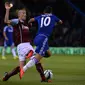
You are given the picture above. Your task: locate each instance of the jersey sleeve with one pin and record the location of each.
(5, 29)
(14, 21)
(36, 18)
(56, 18)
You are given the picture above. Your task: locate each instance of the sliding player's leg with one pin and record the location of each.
(42, 46)
(16, 70)
(28, 48)
(7, 75)
(13, 72)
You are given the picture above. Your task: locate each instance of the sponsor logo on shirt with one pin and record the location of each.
(25, 27)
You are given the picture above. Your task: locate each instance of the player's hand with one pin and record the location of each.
(7, 5)
(6, 38)
(60, 21)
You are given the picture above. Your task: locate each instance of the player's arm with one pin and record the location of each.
(6, 19)
(4, 33)
(7, 7)
(60, 22)
(31, 20)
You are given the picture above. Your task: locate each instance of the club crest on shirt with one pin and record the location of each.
(10, 30)
(25, 27)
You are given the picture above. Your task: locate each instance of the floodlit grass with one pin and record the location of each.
(67, 70)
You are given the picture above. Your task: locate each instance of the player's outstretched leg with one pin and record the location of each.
(12, 73)
(21, 73)
(39, 68)
(29, 54)
(31, 63)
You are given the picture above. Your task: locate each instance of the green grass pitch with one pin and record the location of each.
(67, 70)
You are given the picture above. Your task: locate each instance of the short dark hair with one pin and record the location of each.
(48, 9)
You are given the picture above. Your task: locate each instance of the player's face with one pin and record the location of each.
(22, 14)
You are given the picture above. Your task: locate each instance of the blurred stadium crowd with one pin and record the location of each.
(69, 34)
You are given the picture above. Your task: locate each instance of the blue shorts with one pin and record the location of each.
(8, 43)
(41, 43)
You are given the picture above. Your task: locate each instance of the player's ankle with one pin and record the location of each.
(43, 78)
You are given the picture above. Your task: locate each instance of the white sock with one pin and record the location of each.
(13, 52)
(30, 63)
(3, 51)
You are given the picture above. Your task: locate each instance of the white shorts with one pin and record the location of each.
(23, 49)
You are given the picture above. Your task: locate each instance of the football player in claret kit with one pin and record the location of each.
(46, 23)
(23, 37)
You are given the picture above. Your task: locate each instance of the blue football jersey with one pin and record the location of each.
(9, 32)
(46, 23)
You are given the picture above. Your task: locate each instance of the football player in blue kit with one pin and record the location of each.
(8, 40)
(46, 23)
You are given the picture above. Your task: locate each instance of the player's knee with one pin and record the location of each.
(18, 68)
(47, 54)
(38, 57)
